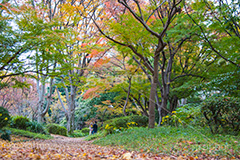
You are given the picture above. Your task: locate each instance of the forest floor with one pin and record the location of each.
(61, 147)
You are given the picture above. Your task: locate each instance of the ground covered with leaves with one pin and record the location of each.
(185, 142)
(65, 148)
(61, 147)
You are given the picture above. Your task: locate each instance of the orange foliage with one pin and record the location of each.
(151, 19)
(94, 53)
(92, 92)
(100, 62)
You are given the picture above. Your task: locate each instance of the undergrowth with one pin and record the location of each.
(176, 141)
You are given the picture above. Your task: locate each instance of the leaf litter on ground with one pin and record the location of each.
(61, 147)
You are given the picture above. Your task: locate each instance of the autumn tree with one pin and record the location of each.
(84, 48)
(141, 17)
(20, 100)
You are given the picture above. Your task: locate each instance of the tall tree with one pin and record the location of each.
(141, 16)
(80, 52)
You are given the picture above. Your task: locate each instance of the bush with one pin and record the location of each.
(222, 114)
(20, 122)
(56, 129)
(36, 127)
(85, 130)
(118, 124)
(5, 134)
(77, 133)
(185, 115)
(4, 117)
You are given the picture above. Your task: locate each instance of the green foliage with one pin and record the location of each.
(122, 123)
(189, 114)
(20, 122)
(96, 136)
(28, 134)
(36, 127)
(56, 129)
(84, 112)
(85, 130)
(5, 134)
(226, 81)
(222, 114)
(169, 140)
(4, 117)
(77, 133)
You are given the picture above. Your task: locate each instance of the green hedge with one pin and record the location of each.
(56, 129)
(117, 124)
(77, 133)
(36, 127)
(20, 122)
(28, 134)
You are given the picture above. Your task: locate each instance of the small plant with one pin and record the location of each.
(20, 122)
(4, 121)
(5, 134)
(4, 117)
(56, 129)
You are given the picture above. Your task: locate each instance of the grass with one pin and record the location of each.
(175, 141)
(99, 134)
(77, 133)
(28, 134)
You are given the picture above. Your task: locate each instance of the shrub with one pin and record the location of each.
(85, 130)
(222, 114)
(36, 127)
(187, 114)
(20, 122)
(118, 124)
(4, 117)
(5, 134)
(56, 129)
(142, 121)
(77, 133)
(4, 121)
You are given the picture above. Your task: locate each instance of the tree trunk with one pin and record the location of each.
(159, 110)
(41, 110)
(173, 103)
(151, 123)
(126, 102)
(70, 122)
(153, 92)
(41, 92)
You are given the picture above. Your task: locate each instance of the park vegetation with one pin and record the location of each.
(163, 74)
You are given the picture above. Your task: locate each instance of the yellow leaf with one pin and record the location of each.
(127, 156)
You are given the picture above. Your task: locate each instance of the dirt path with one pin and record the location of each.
(66, 148)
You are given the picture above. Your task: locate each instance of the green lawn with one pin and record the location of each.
(175, 141)
(28, 134)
